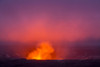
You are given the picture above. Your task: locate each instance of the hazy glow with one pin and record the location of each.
(48, 20)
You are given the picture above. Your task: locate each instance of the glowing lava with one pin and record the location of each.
(43, 52)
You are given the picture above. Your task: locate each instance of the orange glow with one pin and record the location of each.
(43, 52)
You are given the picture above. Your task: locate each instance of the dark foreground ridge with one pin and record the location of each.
(49, 63)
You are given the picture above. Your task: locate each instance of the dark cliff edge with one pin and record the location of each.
(49, 63)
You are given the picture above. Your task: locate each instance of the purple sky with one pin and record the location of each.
(50, 20)
(55, 20)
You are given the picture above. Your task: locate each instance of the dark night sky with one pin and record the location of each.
(75, 21)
